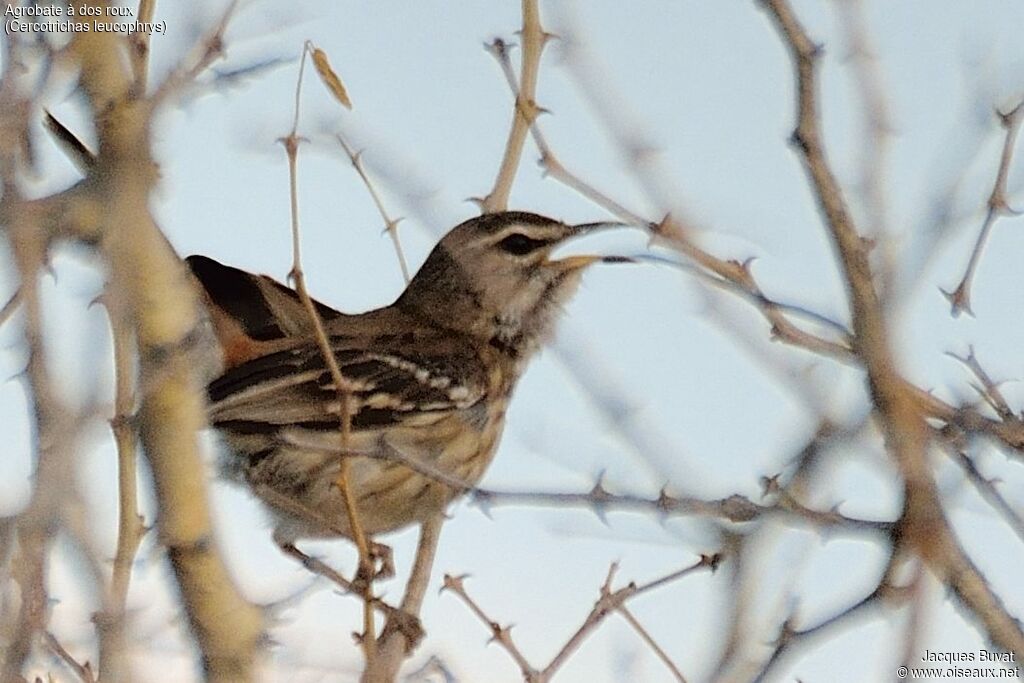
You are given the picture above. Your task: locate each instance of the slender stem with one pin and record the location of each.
(390, 224)
(130, 527)
(960, 298)
(291, 144)
(524, 110)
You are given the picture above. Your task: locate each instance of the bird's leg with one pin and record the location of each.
(381, 566)
(408, 624)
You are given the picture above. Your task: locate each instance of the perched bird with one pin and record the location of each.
(430, 376)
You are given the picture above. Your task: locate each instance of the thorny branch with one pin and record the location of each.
(608, 602)
(130, 527)
(923, 526)
(39, 521)
(525, 110)
(98, 211)
(731, 275)
(737, 278)
(344, 389)
(83, 671)
(735, 508)
(871, 182)
(905, 403)
(792, 640)
(402, 632)
(390, 224)
(960, 298)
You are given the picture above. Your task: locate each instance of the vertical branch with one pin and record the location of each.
(163, 310)
(130, 528)
(343, 387)
(396, 641)
(923, 526)
(867, 75)
(39, 522)
(960, 298)
(36, 525)
(139, 44)
(523, 112)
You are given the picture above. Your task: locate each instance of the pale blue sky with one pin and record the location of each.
(708, 85)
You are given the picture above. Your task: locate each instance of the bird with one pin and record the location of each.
(429, 377)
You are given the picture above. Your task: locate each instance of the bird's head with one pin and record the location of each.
(494, 276)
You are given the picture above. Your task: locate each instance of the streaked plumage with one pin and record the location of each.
(431, 376)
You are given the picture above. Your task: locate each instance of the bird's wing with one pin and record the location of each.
(394, 382)
(250, 312)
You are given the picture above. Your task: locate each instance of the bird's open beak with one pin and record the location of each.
(577, 262)
(582, 261)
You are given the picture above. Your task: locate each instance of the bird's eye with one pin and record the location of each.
(520, 244)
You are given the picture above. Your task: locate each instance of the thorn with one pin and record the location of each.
(545, 36)
(479, 201)
(665, 502)
(770, 485)
(1005, 117)
(482, 500)
(391, 226)
(454, 583)
(713, 560)
(599, 495)
(797, 139)
(664, 227)
(959, 300)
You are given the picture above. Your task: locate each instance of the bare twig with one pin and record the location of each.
(39, 521)
(401, 633)
(163, 311)
(499, 634)
(923, 527)
(139, 42)
(368, 638)
(608, 602)
(11, 306)
(320, 568)
(988, 390)
(735, 508)
(987, 489)
(390, 224)
(83, 671)
(731, 275)
(867, 75)
(651, 643)
(207, 51)
(960, 298)
(736, 278)
(791, 640)
(130, 526)
(523, 112)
